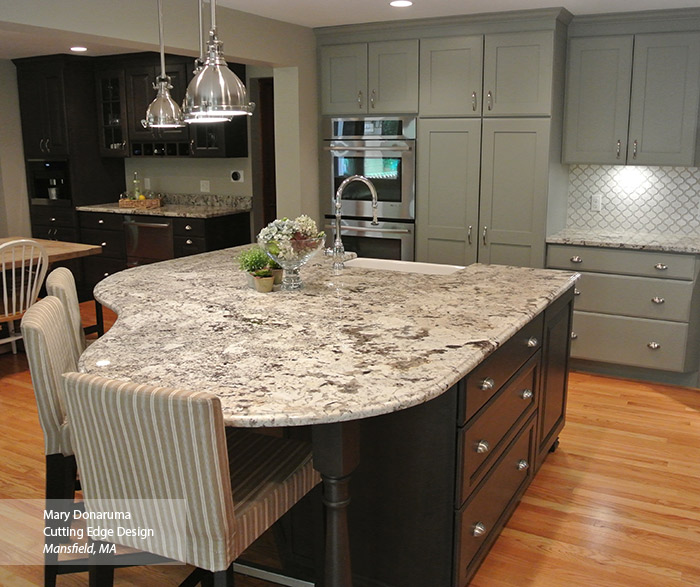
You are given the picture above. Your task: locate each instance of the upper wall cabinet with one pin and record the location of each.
(654, 123)
(517, 75)
(375, 78)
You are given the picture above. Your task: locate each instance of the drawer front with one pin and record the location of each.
(643, 297)
(189, 227)
(53, 216)
(189, 246)
(56, 233)
(101, 221)
(624, 262)
(111, 241)
(97, 268)
(482, 518)
(494, 426)
(638, 342)
(488, 377)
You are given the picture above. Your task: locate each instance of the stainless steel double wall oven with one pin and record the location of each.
(382, 149)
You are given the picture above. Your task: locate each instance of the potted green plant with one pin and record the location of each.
(252, 260)
(264, 280)
(277, 271)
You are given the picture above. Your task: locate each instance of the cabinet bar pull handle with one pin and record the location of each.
(574, 336)
(654, 346)
(576, 259)
(526, 394)
(483, 235)
(658, 300)
(41, 145)
(474, 101)
(482, 447)
(634, 150)
(489, 101)
(487, 384)
(469, 234)
(577, 292)
(619, 149)
(359, 99)
(372, 98)
(48, 145)
(532, 342)
(523, 465)
(478, 530)
(661, 266)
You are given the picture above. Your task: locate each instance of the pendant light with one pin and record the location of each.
(163, 112)
(215, 94)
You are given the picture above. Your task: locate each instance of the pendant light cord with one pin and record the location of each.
(201, 35)
(160, 40)
(213, 16)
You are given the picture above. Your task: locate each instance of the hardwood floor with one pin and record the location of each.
(618, 504)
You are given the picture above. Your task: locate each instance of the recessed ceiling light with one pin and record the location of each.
(401, 3)
(78, 49)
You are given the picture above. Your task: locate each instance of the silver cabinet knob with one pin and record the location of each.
(577, 292)
(654, 346)
(532, 342)
(661, 266)
(574, 336)
(576, 259)
(100, 221)
(523, 465)
(53, 219)
(105, 275)
(478, 530)
(658, 300)
(487, 384)
(188, 227)
(188, 241)
(526, 394)
(104, 244)
(482, 447)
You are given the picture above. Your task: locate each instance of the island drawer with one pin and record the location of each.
(189, 227)
(489, 432)
(643, 297)
(622, 261)
(111, 241)
(481, 518)
(488, 377)
(101, 221)
(189, 245)
(97, 268)
(638, 342)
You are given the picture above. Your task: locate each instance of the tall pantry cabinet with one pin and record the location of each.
(488, 145)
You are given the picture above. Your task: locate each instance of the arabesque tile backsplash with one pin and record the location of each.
(648, 199)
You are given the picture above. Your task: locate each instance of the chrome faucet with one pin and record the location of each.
(338, 248)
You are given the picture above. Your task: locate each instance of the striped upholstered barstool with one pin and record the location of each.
(61, 284)
(154, 443)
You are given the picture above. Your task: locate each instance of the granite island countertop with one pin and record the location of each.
(171, 210)
(645, 241)
(360, 344)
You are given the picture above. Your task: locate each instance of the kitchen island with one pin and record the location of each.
(358, 357)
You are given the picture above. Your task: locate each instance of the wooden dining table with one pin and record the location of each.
(59, 250)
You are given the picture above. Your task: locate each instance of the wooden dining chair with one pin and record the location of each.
(23, 265)
(61, 284)
(155, 443)
(50, 353)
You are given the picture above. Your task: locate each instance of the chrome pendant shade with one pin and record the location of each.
(215, 94)
(163, 112)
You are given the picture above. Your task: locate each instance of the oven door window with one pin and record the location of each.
(383, 172)
(378, 248)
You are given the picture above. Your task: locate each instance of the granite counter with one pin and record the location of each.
(644, 241)
(172, 210)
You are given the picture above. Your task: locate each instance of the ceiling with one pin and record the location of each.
(24, 41)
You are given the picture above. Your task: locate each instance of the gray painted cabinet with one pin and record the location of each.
(482, 200)
(375, 78)
(652, 80)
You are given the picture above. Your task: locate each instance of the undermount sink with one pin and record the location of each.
(405, 266)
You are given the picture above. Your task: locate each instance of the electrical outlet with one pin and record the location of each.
(596, 202)
(204, 186)
(147, 183)
(236, 176)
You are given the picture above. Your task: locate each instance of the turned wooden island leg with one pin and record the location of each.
(336, 455)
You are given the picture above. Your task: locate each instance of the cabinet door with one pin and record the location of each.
(514, 181)
(344, 79)
(393, 77)
(449, 154)
(55, 130)
(518, 74)
(664, 106)
(451, 76)
(139, 94)
(597, 100)
(111, 112)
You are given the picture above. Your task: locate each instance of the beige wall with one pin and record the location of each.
(289, 50)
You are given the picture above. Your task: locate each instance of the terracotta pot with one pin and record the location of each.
(264, 284)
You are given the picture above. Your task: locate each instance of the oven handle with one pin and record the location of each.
(147, 224)
(403, 148)
(360, 229)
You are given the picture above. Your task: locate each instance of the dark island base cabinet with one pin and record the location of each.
(437, 483)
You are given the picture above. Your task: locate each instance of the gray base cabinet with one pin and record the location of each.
(633, 99)
(634, 308)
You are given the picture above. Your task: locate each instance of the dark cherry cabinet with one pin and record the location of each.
(111, 112)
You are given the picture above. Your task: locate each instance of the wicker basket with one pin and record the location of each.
(147, 203)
